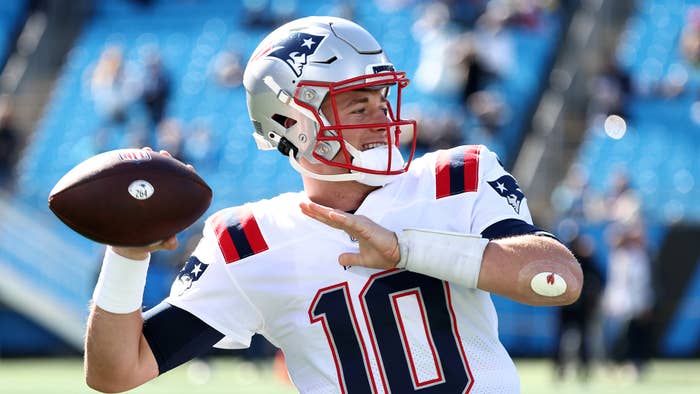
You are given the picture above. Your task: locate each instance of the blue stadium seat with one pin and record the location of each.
(662, 145)
(12, 16)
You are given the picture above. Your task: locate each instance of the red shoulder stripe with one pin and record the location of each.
(442, 174)
(252, 231)
(457, 171)
(239, 235)
(225, 242)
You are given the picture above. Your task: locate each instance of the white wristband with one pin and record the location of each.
(119, 288)
(443, 255)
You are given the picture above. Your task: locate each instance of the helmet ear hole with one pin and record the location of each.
(284, 121)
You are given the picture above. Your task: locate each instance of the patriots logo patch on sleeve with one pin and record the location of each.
(190, 273)
(507, 187)
(295, 50)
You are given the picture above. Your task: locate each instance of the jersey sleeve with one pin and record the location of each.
(206, 288)
(476, 191)
(498, 195)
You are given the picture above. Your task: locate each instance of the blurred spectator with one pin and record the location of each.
(440, 74)
(9, 143)
(489, 109)
(481, 66)
(690, 37)
(113, 90)
(465, 13)
(524, 13)
(156, 87)
(579, 323)
(169, 137)
(267, 13)
(628, 300)
(226, 69)
(494, 42)
(569, 197)
(675, 82)
(573, 198)
(623, 202)
(110, 88)
(489, 113)
(629, 294)
(608, 91)
(199, 146)
(438, 130)
(478, 73)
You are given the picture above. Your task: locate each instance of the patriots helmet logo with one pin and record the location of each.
(296, 49)
(507, 187)
(190, 273)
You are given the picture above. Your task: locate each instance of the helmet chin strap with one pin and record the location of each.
(323, 177)
(367, 159)
(376, 159)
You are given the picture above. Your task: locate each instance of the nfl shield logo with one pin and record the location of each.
(134, 155)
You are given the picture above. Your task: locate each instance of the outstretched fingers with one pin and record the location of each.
(378, 245)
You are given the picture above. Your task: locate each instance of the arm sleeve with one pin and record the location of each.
(512, 227)
(176, 336)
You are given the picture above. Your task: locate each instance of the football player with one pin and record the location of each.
(376, 278)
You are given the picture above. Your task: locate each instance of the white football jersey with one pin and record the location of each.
(267, 268)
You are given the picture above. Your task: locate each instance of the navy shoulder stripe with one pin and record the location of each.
(176, 336)
(508, 228)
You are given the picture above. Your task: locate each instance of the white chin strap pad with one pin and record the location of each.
(376, 159)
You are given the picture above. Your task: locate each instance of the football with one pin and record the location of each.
(130, 197)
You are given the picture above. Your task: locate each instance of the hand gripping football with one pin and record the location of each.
(130, 197)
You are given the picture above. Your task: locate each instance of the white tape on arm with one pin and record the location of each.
(548, 284)
(119, 288)
(448, 256)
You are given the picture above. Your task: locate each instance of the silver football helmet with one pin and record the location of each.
(309, 60)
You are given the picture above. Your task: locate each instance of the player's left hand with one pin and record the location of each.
(379, 247)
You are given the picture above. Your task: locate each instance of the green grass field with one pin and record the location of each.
(227, 375)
